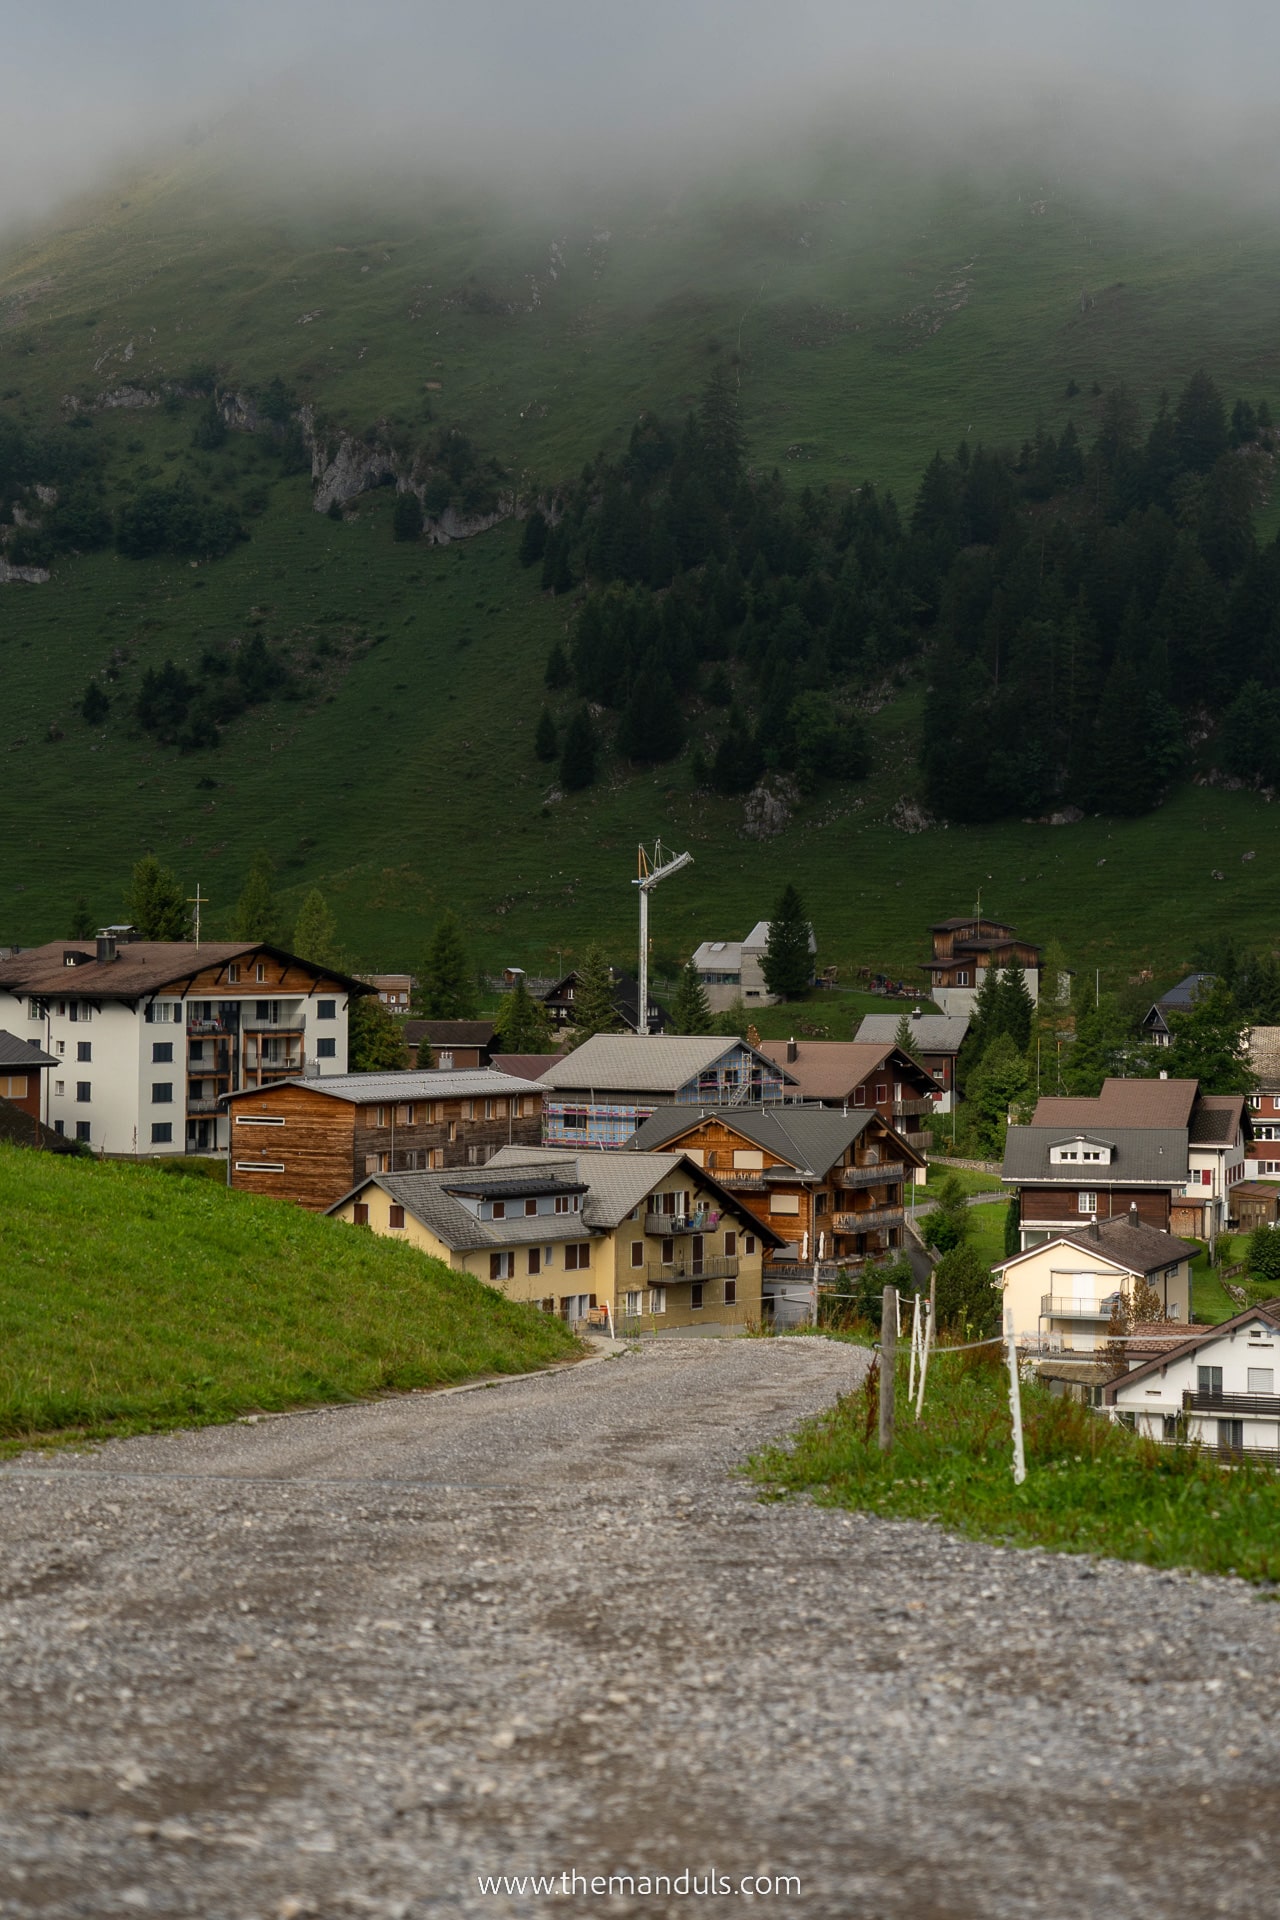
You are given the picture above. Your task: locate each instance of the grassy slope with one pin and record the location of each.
(131, 1300)
(416, 784)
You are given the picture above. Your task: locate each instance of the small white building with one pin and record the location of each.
(732, 970)
(1218, 1388)
(149, 1034)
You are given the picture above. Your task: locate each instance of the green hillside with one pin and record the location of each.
(865, 325)
(131, 1299)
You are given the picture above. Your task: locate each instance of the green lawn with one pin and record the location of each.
(1091, 1487)
(130, 1301)
(969, 1178)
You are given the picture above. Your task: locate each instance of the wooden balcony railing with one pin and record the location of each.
(869, 1222)
(892, 1172)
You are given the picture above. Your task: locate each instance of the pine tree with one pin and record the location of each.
(155, 905)
(522, 1021)
(545, 743)
(652, 726)
(406, 519)
(786, 964)
(375, 1042)
(446, 985)
(557, 673)
(83, 926)
(578, 757)
(691, 1010)
(95, 705)
(720, 435)
(593, 1007)
(903, 1038)
(1211, 1043)
(533, 541)
(1015, 1008)
(315, 933)
(255, 915)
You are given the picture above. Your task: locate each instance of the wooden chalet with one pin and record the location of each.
(854, 1074)
(559, 1003)
(965, 950)
(936, 1040)
(22, 1066)
(311, 1140)
(453, 1045)
(829, 1186)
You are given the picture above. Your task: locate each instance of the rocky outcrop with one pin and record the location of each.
(768, 809)
(28, 576)
(909, 817)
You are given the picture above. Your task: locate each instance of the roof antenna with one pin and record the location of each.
(194, 900)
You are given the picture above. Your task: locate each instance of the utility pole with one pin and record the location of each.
(888, 1363)
(651, 872)
(1015, 1400)
(195, 900)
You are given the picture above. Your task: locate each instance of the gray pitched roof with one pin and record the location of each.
(808, 1138)
(1217, 1119)
(464, 1083)
(1141, 1156)
(930, 1032)
(1137, 1247)
(635, 1063)
(1201, 1337)
(24, 1055)
(617, 1181)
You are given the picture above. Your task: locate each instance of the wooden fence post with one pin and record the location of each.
(888, 1363)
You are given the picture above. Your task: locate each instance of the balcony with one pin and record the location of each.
(893, 1171)
(1266, 1404)
(903, 1109)
(666, 1225)
(294, 1024)
(210, 1026)
(869, 1222)
(203, 1106)
(715, 1266)
(746, 1176)
(1066, 1306)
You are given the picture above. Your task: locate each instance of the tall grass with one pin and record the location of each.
(1091, 1487)
(130, 1300)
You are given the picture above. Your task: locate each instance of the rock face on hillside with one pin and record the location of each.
(30, 576)
(344, 469)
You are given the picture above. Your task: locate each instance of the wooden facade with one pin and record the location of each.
(964, 949)
(850, 1211)
(298, 1143)
(1059, 1207)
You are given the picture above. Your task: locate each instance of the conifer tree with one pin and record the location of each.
(652, 727)
(255, 915)
(446, 985)
(375, 1042)
(691, 1010)
(83, 926)
(533, 541)
(557, 673)
(155, 905)
(786, 964)
(95, 705)
(593, 1005)
(315, 933)
(1015, 1008)
(545, 743)
(578, 757)
(1211, 1043)
(903, 1038)
(522, 1021)
(406, 519)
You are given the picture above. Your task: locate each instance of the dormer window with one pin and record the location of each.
(1069, 1153)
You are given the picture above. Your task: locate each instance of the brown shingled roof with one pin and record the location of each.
(1122, 1103)
(140, 967)
(831, 1069)
(1216, 1120)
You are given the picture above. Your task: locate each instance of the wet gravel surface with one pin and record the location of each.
(346, 1663)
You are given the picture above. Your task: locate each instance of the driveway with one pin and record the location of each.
(347, 1663)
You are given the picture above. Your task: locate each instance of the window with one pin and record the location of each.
(534, 1261)
(634, 1306)
(1261, 1380)
(161, 1053)
(695, 1296)
(499, 1209)
(259, 1120)
(548, 1256)
(574, 1119)
(84, 1091)
(259, 972)
(962, 977)
(233, 974)
(359, 1213)
(468, 1109)
(730, 1293)
(637, 1253)
(1209, 1379)
(501, 1266)
(161, 1133)
(577, 1255)
(195, 1050)
(262, 1009)
(84, 1050)
(60, 1048)
(488, 1109)
(59, 1086)
(563, 1203)
(266, 1166)
(859, 1096)
(33, 1010)
(749, 1243)
(450, 1130)
(820, 1202)
(748, 1159)
(1086, 1203)
(13, 1085)
(657, 1299)
(82, 1129)
(668, 1252)
(730, 1245)
(882, 1091)
(59, 1126)
(162, 1093)
(326, 1009)
(404, 1116)
(379, 1116)
(395, 1218)
(326, 1047)
(476, 1156)
(436, 1158)
(1206, 1177)
(785, 1203)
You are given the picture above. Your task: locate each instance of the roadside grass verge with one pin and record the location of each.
(131, 1301)
(1091, 1487)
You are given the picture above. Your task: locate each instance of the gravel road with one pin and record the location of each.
(345, 1663)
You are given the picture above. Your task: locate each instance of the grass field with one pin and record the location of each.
(870, 327)
(130, 1301)
(1091, 1487)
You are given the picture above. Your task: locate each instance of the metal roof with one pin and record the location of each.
(831, 1069)
(435, 1084)
(637, 1063)
(25, 1055)
(930, 1032)
(810, 1139)
(1136, 1247)
(1142, 1156)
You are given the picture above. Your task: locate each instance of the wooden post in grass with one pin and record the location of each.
(1015, 1401)
(888, 1363)
(924, 1356)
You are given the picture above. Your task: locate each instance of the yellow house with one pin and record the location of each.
(649, 1237)
(1062, 1291)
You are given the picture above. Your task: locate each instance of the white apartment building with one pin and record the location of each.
(733, 970)
(1218, 1389)
(149, 1034)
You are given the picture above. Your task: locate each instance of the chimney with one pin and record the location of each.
(1133, 1214)
(107, 949)
(1164, 1075)
(1093, 1227)
(792, 1051)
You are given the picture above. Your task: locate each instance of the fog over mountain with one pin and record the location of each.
(596, 91)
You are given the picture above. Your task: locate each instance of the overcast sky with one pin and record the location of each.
(83, 83)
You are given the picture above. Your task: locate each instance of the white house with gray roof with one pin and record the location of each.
(733, 970)
(600, 1093)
